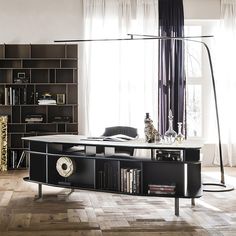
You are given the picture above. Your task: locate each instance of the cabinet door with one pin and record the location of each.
(37, 171)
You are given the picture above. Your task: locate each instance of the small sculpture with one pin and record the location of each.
(151, 134)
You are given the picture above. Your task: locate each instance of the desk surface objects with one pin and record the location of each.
(71, 161)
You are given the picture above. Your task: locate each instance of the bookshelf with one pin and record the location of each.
(27, 73)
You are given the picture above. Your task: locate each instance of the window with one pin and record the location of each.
(198, 79)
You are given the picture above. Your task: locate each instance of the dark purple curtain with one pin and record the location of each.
(171, 64)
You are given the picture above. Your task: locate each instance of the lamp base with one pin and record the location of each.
(220, 187)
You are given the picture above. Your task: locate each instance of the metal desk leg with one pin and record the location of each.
(193, 201)
(177, 206)
(40, 195)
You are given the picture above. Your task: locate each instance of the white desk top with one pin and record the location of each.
(137, 143)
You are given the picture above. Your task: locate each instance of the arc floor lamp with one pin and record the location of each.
(222, 185)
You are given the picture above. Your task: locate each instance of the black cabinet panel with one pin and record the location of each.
(37, 171)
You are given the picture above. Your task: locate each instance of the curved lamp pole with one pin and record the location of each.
(191, 39)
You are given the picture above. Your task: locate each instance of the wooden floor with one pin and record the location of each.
(86, 213)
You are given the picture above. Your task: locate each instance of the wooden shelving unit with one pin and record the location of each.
(47, 68)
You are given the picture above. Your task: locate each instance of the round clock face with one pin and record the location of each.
(65, 166)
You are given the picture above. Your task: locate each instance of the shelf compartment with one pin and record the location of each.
(71, 51)
(59, 111)
(6, 111)
(33, 110)
(2, 51)
(61, 128)
(2, 95)
(130, 177)
(69, 63)
(48, 51)
(10, 63)
(82, 177)
(107, 175)
(18, 73)
(13, 157)
(5, 76)
(41, 63)
(17, 51)
(72, 90)
(15, 141)
(16, 128)
(71, 128)
(53, 89)
(156, 173)
(16, 115)
(39, 76)
(64, 76)
(40, 127)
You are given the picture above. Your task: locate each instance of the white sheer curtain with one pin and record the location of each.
(118, 80)
(226, 80)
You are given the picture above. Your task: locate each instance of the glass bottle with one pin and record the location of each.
(170, 134)
(180, 136)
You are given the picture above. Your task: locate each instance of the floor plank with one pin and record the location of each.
(87, 213)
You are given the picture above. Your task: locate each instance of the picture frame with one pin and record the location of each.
(21, 75)
(61, 98)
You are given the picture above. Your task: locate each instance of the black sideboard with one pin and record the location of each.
(173, 170)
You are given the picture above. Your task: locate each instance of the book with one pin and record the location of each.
(122, 180)
(113, 138)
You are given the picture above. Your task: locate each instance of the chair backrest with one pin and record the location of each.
(126, 130)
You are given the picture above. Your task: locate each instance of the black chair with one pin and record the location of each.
(126, 130)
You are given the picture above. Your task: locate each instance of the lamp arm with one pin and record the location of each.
(217, 112)
(188, 38)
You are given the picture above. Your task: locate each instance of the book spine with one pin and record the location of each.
(6, 96)
(24, 96)
(125, 180)
(135, 181)
(122, 180)
(128, 181)
(13, 96)
(131, 180)
(10, 95)
(138, 177)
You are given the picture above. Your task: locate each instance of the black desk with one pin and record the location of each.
(106, 172)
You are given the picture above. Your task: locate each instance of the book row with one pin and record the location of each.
(15, 96)
(130, 180)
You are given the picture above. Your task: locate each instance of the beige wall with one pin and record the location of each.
(42, 21)
(202, 9)
(39, 21)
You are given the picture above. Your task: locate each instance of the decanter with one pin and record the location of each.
(170, 134)
(180, 136)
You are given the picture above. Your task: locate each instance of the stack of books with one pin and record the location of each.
(34, 118)
(47, 101)
(161, 189)
(130, 180)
